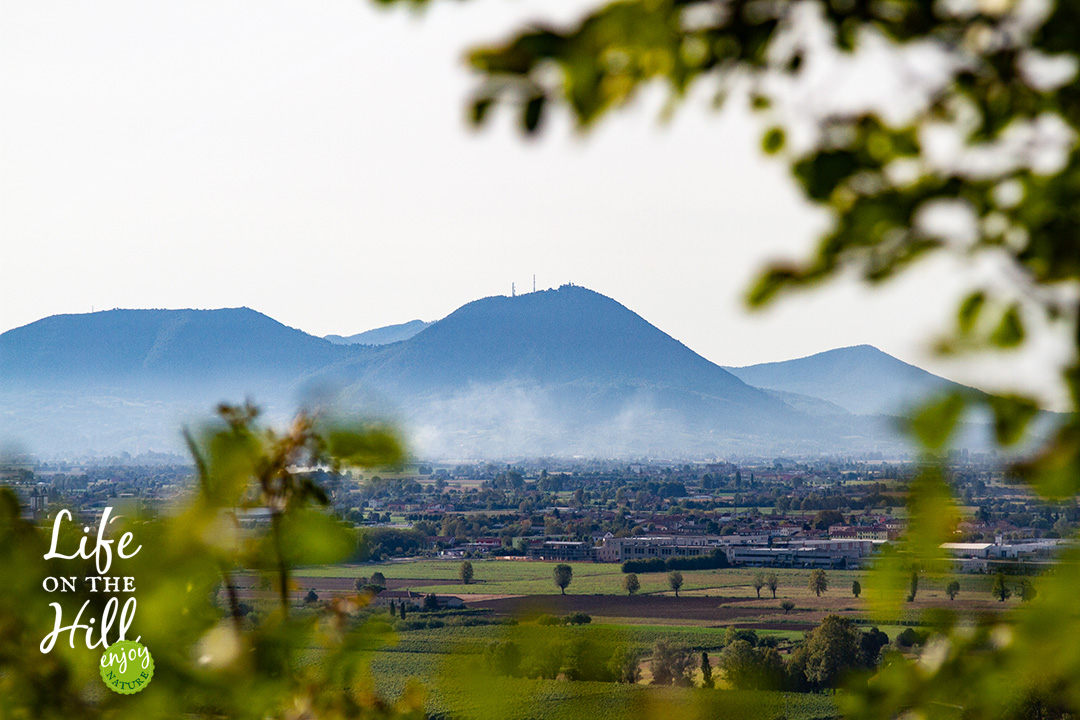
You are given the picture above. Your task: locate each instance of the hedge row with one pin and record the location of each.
(717, 560)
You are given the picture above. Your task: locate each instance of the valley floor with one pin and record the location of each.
(442, 665)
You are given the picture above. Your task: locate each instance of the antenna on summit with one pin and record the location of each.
(513, 292)
(534, 282)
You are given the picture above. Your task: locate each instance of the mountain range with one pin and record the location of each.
(381, 336)
(861, 380)
(558, 372)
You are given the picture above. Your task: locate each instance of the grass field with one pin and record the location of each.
(496, 698)
(472, 639)
(516, 577)
(443, 665)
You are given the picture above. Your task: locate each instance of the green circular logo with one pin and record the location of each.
(127, 667)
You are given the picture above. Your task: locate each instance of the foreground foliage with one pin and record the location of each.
(212, 658)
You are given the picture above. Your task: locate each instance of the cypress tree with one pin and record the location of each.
(706, 671)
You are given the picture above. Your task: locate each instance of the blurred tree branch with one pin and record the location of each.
(978, 157)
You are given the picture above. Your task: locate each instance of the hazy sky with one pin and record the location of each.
(310, 160)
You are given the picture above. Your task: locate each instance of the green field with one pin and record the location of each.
(515, 577)
(463, 695)
(473, 639)
(443, 665)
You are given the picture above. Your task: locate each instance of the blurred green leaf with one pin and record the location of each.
(773, 142)
(533, 112)
(1053, 469)
(1012, 414)
(363, 445)
(823, 172)
(480, 108)
(934, 422)
(1010, 330)
(933, 517)
(311, 537)
(970, 308)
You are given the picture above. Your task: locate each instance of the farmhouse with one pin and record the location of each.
(409, 597)
(398, 596)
